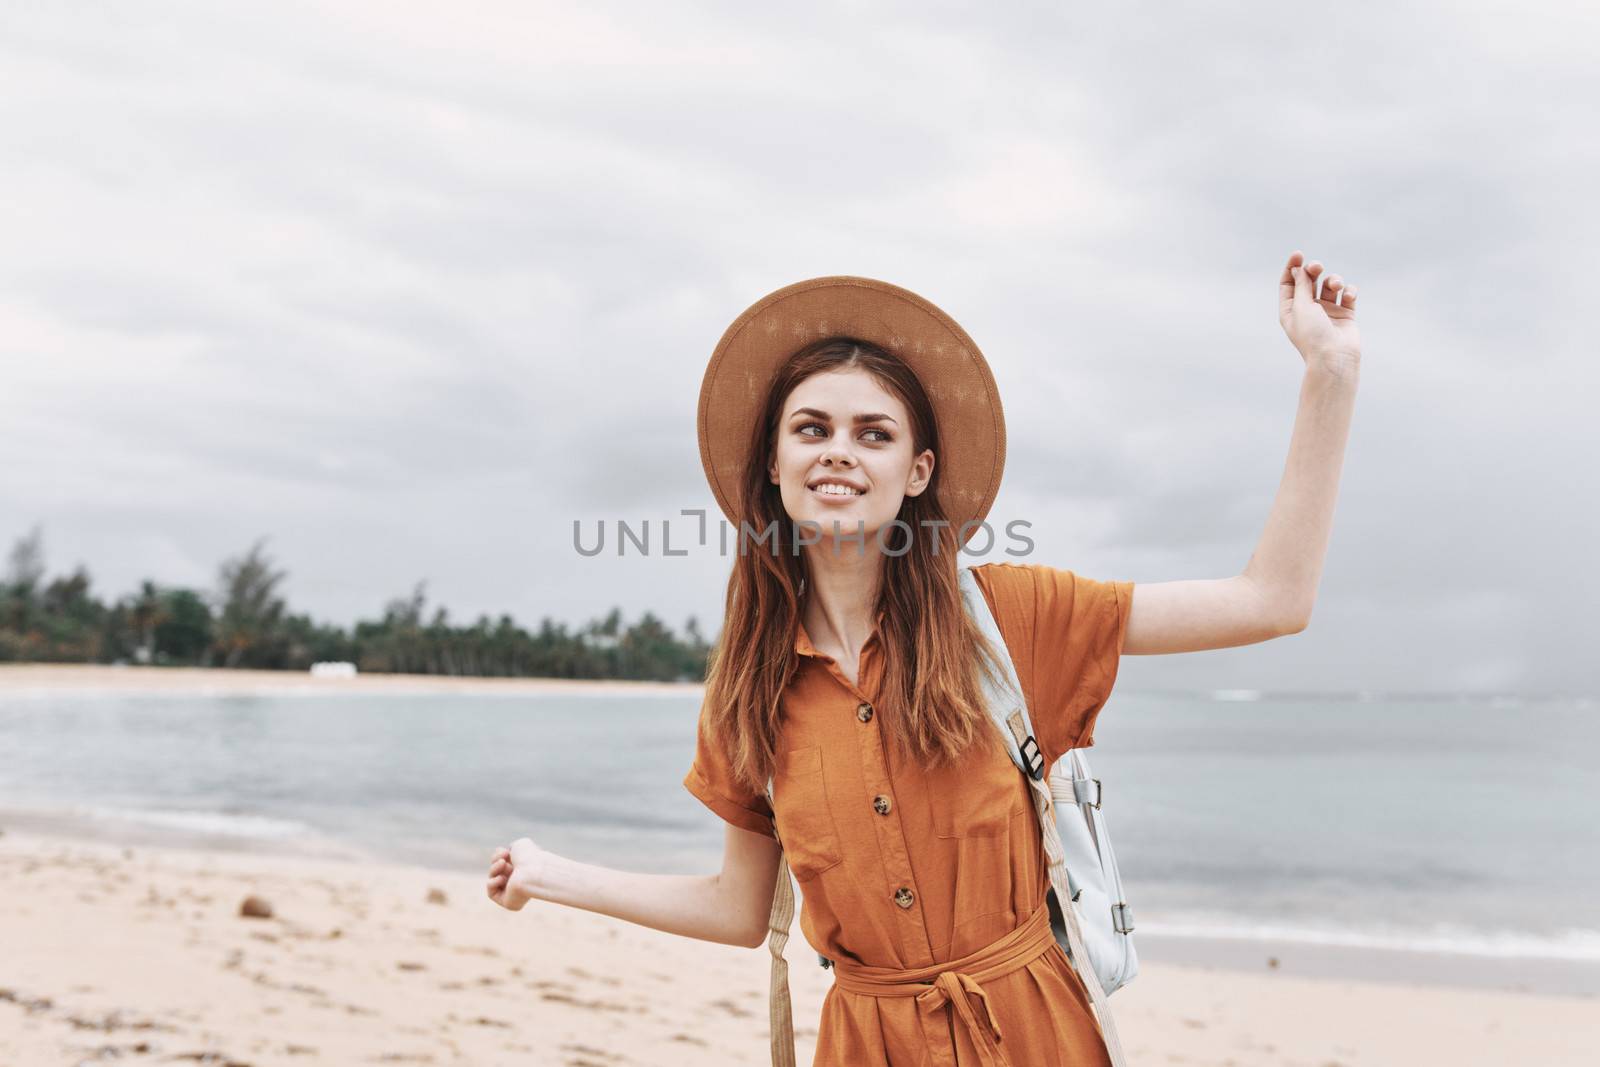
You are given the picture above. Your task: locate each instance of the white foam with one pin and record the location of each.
(1573, 943)
(215, 823)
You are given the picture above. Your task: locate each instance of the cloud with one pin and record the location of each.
(411, 293)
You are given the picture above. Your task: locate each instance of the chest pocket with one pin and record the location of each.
(800, 808)
(978, 795)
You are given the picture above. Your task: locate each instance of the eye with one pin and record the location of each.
(884, 436)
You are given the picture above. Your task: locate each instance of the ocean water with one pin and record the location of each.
(1467, 826)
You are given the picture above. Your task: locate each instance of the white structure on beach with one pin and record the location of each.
(333, 669)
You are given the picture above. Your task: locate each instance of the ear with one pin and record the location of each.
(921, 473)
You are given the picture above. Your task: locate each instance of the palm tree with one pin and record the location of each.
(149, 611)
(250, 613)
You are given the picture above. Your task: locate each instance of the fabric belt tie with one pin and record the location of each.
(957, 983)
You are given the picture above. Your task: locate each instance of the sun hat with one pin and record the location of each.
(953, 372)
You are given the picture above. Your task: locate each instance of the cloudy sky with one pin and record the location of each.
(408, 291)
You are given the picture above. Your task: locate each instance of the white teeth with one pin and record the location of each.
(836, 490)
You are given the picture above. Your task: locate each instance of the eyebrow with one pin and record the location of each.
(815, 413)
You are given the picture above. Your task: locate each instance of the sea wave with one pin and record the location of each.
(211, 823)
(1576, 944)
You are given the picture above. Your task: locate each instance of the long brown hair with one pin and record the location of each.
(931, 702)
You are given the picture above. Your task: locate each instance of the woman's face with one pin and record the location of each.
(843, 454)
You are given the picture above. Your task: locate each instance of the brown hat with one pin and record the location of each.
(972, 427)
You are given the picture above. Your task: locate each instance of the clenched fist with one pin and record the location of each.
(511, 874)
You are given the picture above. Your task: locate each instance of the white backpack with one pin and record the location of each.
(1097, 925)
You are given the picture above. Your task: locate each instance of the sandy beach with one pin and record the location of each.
(141, 955)
(122, 953)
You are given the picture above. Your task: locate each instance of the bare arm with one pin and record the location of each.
(1274, 594)
(731, 907)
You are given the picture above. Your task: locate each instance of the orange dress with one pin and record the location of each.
(903, 867)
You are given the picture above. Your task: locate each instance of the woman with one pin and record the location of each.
(851, 430)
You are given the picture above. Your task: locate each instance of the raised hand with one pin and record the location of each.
(1322, 327)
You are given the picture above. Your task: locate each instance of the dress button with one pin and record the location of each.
(880, 804)
(864, 712)
(903, 897)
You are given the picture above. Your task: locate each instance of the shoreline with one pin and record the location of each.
(25, 679)
(43, 678)
(1400, 967)
(140, 954)
(1243, 955)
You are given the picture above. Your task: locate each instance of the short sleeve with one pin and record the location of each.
(711, 780)
(1065, 635)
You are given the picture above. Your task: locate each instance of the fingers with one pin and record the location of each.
(1332, 289)
(1303, 283)
(1296, 258)
(1336, 292)
(1286, 280)
(1302, 280)
(501, 868)
(499, 874)
(1313, 274)
(496, 886)
(1332, 284)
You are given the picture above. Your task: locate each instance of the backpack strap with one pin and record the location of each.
(778, 923)
(1005, 704)
(1009, 710)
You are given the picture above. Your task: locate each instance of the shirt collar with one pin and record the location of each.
(802, 640)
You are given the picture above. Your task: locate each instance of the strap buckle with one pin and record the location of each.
(1034, 758)
(1121, 918)
(1080, 792)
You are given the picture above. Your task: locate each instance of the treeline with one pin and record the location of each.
(244, 622)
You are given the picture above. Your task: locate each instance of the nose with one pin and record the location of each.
(837, 455)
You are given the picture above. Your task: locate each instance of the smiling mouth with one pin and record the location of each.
(836, 492)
